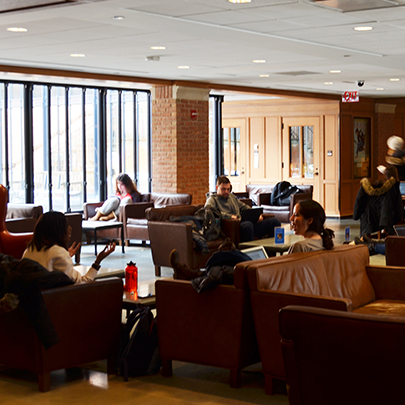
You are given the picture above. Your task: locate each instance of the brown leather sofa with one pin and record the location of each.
(339, 279)
(87, 318)
(133, 217)
(260, 194)
(213, 328)
(335, 358)
(394, 251)
(166, 236)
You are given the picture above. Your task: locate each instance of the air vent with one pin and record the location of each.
(358, 5)
(297, 73)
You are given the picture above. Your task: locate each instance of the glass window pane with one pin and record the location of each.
(2, 137)
(227, 153)
(58, 148)
(113, 156)
(92, 133)
(76, 192)
(128, 155)
(16, 143)
(295, 146)
(41, 145)
(142, 111)
(237, 151)
(308, 152)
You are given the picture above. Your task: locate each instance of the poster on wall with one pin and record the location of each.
(361, 138)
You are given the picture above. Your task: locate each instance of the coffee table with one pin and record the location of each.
(101, 225)
(270, 245)
(146, 296)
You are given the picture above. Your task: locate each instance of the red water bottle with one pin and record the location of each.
(131, 278)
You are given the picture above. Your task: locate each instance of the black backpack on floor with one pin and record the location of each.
(139, 354)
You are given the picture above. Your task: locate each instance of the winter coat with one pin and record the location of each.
(378, 206)
(397, 159)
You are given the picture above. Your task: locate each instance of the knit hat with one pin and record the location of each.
(381, 169)
(395, 143)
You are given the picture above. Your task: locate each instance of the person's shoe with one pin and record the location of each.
(181, 271)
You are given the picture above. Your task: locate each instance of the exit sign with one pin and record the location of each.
(350, 97)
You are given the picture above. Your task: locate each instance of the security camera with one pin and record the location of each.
(360, 83)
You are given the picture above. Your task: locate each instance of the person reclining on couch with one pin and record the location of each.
(231, 207)
(126, 192)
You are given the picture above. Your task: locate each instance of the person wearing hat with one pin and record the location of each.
(396, 155)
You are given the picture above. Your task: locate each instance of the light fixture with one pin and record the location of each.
(259, 61)
(118, 17)
(264, 75)
(77, 55)
(380, 88)
(158, 48)
(17, 29)
(328, 83)
(363, 28)
(335, 71)
(183, 67)
(239, 1)
(395, 80)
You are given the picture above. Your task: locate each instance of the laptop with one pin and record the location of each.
(252, 214)
(256, 253)
(399, 230)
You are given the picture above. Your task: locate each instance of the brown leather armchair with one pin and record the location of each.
(166, 236)
(339, 279)
(394, 251)
(334, 358)
(87, 318)
(213, 328)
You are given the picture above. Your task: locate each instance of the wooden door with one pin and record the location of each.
(301, 153)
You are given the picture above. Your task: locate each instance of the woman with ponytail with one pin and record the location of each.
(308, 220)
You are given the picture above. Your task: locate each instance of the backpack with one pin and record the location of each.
(282, 193)
(139, 354)
(211, 223)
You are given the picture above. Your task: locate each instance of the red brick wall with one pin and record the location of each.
(180, 145)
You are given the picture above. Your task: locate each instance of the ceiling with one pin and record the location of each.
(301, 42)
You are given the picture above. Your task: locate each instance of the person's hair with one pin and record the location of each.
(312, 209)
(223, 180)
(51, 229)
(127, 182)
(391, 171)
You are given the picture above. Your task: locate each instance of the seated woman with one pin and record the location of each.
(48, 247)
(379, 205)
(308, 220)
(126, 192)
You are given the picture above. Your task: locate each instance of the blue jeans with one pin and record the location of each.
(265, 228)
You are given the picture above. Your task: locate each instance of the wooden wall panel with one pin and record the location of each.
(257, 150)
(273, 141)
(331, 148)
(331, 199)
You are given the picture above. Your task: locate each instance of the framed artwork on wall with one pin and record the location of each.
(361, 139)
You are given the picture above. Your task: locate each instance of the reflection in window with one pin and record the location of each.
(301, 152)
(231, 146)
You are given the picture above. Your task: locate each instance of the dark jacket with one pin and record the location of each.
(378, 206)
(397, 159)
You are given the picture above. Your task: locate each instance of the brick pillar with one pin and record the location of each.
(384, 124)
(180, 145)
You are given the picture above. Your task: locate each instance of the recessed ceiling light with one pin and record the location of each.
(380, 88)
(328, 83)
(363, 28)
(183, 67)
(264, 75)
(395, 80)
(239, 1)
(335, 71)
(17, 29)
(118, 17)
(259, 61)
(77, 55)
(158, 48)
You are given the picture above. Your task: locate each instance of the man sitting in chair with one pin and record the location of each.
(231, 207)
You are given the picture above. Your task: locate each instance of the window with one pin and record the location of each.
(64, 145)
(301, 152)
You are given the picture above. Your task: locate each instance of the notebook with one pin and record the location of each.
(252, 214)
(399, 230)
(256, 253)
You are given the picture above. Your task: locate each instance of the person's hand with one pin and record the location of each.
(74, 248)
(260, 218)
(109, 248)
(234, 217)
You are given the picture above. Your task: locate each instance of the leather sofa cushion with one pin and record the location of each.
(138, 222)
(383, 307)
(163, 200)
(164, 214)
(23, 211)
(338, 273)
(276, 208)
